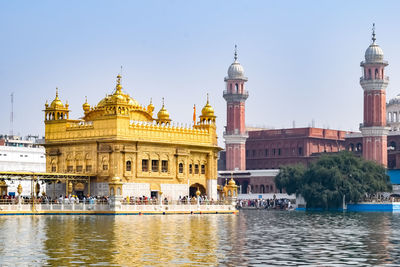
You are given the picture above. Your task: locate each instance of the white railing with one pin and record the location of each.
(105, 207)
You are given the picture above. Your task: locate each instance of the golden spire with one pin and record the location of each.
(86, 106)
(56, 103)
(208, 111)
(119, 86)
(163, 115)
(150, 107)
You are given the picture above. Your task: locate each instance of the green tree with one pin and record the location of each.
(324, 183)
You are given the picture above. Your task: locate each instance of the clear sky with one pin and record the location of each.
(301, 57)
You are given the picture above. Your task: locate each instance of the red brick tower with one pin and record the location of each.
(235, 134)
(374, 83)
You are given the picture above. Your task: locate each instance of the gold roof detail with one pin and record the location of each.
(208, 110)
(121, 104)
(86, 106)
(163, 115)
(56, 104)
(150, 107)
(207, 113)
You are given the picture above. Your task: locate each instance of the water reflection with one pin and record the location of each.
(248, 239)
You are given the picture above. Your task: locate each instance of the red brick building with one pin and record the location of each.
(271, 149)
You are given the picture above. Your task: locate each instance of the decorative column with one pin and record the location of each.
(374, 83)
(115, 191)
(235, 134)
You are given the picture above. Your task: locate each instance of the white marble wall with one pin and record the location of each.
(174, 191)
(136, 189)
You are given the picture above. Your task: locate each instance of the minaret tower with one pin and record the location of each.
(235, 134)
(374, 83)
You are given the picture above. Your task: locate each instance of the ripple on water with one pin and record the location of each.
(249, 239)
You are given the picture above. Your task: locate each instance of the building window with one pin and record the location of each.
(196, 169)
(247, 153)
(190, 168)
(300, 151)
(145, 165)
(154, 165)
(88, 168)
(164, 166)
(180, 167)
(70, 168)
(105, 167)
(254, 153)
(279, 151)
(274, 151)
(203, 169)
(128, 166)
(53, 168)
(79, 168)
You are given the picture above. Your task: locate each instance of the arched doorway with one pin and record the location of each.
(193, 189)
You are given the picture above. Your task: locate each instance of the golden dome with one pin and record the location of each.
(163, 113)
(118, 97)
(207, 111)
(150, 107)
(231, 182)
(86, 106)
(56, 102)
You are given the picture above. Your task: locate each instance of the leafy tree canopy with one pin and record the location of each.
(324, 183)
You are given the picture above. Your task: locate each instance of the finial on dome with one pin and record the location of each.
(119, 87)
(235, 57)
(207, 99)
(163, 102)
(373, 33)
(56, 91)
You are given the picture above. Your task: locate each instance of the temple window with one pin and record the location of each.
(88, 168)
(190, 168)
(369, 74)
(79, 168)
(180, 167)
(105, 167)
(154, 165)
(128, 166)
(203, 169)
(196, 169)
(237, 88)
(70, 168)
(164, 166)
(145, 165)
(53, 168)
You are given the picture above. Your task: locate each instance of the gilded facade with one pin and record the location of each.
(118, 137)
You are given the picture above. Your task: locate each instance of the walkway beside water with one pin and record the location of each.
(107, 209)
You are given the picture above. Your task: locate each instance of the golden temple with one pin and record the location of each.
(118, 137)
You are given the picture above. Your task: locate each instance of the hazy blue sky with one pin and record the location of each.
(301, 57)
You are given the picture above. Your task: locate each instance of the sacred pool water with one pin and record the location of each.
(247, 239)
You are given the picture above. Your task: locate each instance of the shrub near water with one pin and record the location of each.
(324, 183)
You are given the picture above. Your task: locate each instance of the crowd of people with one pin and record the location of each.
(276, 204)
(132, 200)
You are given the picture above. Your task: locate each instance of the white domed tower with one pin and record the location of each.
(235, 134)
(374, 83)
(393, 113)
